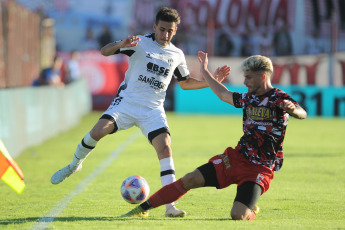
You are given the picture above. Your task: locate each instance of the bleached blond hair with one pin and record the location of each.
(258, 63)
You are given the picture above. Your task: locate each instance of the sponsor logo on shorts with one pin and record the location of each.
(217, 162)
(156, 69)
(226, 160)
(259, 178)
(152, 81)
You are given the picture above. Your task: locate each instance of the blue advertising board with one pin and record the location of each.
(316, 100)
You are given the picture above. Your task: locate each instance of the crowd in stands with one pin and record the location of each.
(60, 72)
(55, 71)
(278, 43)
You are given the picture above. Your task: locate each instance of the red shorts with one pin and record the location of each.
(233, 168)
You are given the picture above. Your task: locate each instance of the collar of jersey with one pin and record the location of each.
(161, 45)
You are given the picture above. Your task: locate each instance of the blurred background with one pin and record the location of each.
(51, 70)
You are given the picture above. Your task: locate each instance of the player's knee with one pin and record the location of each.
(102, 128)
(190, 181)
(98, 133)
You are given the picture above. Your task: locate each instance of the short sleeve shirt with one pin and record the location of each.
(151, 67)
(264, 126)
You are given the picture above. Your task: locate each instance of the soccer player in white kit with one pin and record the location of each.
(153, 60)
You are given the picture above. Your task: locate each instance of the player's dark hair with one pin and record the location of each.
(168, 15)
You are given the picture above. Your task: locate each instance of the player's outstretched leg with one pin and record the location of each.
(255, 211)
(83, 150)
(174, 212)
(63, 174)
(136, 212)
(165, 195)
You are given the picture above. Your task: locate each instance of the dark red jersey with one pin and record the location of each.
(264, 126)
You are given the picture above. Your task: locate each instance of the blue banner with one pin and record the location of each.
(316, 100)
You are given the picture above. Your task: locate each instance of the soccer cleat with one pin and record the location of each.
(174, 212)
(256, 209)
(63, 173)
(137, 212)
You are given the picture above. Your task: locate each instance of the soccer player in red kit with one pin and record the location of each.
(251, 164)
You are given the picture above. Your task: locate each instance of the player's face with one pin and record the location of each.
(254, 82)
(164, 32)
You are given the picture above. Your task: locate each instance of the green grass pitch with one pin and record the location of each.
(308, 192)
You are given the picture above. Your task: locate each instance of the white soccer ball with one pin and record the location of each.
(135, 189)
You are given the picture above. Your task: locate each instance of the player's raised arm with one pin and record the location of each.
(111, 48)
(294, 110)
(218, 88)
(191, 83)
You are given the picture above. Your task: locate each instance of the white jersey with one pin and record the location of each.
(151, 67)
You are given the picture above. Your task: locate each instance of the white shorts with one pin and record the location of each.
(151, 121)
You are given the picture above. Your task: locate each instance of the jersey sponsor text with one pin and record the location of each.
(156, 69)
(153, 82)
(258, 113)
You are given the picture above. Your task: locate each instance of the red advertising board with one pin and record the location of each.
(104, 75)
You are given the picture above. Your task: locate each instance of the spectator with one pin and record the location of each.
(282, 41)
(316, 12)
(315, 44)
(72, 68)
(265, 43)
(48, 43)
(180, 41)
(41, 13)
(341, 4)
(51, 75)
(224, 46)
(248, 45)
(106, 37)
(89, 42)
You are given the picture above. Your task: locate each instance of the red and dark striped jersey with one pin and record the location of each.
(264, 126)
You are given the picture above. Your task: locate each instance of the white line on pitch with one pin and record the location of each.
(44, 221)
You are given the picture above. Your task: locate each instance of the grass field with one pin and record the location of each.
(308, 192)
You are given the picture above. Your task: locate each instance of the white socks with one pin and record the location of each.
(83, 150)
(167, 174)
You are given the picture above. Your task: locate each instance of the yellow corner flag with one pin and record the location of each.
(10, 172)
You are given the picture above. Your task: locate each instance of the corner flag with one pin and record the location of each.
(10, 172)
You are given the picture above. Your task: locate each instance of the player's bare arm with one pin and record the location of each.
(218, 88)
(111, 48)
(295, 111)
(191, 83)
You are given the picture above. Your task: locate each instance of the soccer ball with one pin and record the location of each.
(135, 189)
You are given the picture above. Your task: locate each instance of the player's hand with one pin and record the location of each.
(221, 73)
(131, 41)
(288, 106)
(203, 60)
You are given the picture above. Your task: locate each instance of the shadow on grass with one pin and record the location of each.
(98, 218)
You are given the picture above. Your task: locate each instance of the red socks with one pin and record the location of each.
(168, 194)
(252, 216)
